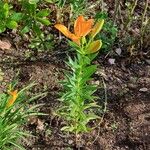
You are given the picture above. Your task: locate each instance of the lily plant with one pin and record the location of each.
(77, 98)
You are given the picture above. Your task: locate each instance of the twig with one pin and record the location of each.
(104, 111)
(117, 3)
(102, 3)
(119, 13)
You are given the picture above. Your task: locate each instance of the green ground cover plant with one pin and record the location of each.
(32, 21)
(109, 33)
(28, 19)
(8, 17)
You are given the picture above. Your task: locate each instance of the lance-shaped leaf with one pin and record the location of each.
(94, 47)
(43, 13)
(43, 21)
(33, 1)
(97, 28)
(11, 24)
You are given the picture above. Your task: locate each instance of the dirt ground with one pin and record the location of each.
(126, 124)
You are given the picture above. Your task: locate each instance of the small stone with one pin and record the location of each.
(111, 61)
(132, 86)
(70, 142)
(118, 51)
(143, 89)
(148, 61)
(5, 45)
(97, 82)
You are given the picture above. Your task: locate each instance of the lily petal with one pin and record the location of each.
(63, 29)
(78, 25)
(67, 33)
(82, 27)
(11, 101)
(75, 39)
(97, 28)
(86, 27)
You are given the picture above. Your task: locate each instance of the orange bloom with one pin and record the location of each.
(81, 29)
(14, 95)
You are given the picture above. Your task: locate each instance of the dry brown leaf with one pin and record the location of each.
(5, 45)
(40, 125)
(32, 120)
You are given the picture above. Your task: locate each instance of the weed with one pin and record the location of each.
(114, 126)
(33, 19)
(42, 42)
(8, 17)
(109, 33)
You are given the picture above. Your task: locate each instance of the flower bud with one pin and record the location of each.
(97, 28)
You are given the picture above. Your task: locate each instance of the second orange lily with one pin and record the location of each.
(81, 29)
(14, 95)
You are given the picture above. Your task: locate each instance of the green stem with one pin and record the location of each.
(130, 18)
(143, 18)
(78, 96)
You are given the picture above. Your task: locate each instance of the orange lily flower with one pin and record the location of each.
(11, 101)
(81, 29)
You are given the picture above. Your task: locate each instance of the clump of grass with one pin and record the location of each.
(14, 111)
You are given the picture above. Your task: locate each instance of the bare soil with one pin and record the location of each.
(126, 124)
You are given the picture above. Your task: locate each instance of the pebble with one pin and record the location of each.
(132, 86)
(143, 89)
(70, 142)
(111, 61)
(148, 61)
